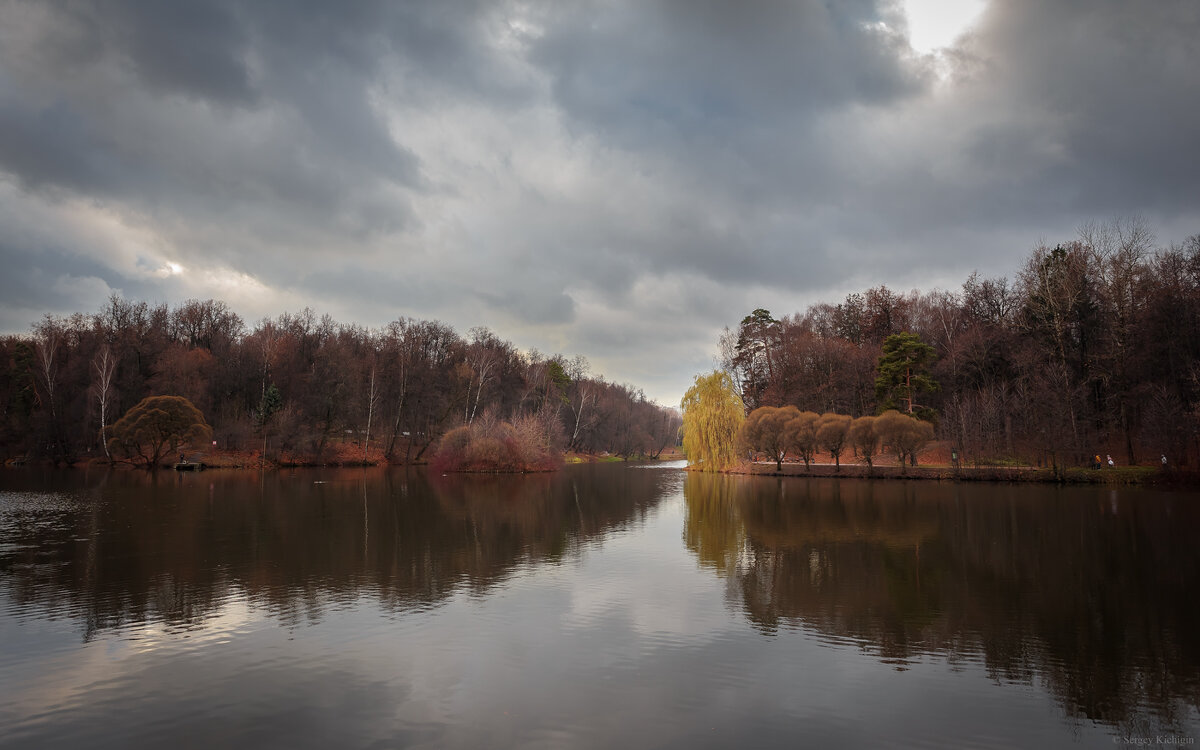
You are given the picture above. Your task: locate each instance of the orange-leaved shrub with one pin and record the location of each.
(528, 443)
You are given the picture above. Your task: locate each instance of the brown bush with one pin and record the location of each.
(156, 427)
(903, 434)
(863, 438)
(489, 445)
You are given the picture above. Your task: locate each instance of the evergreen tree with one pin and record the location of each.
(903, 371)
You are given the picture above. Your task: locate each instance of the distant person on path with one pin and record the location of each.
(1096, 463)
(1164, 460)
(1110, 461)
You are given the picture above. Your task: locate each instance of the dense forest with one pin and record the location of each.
(303, 385)
(1094, 347)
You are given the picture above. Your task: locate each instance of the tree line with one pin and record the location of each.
(718, 435)
(304, 384)
(1094, 347)
(784, 430)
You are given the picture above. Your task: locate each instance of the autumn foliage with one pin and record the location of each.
(863, 438)
(157, 426)
(712, 418)
(833, 431)
(903, 434)
(529, 443)
(1092, 347)
(785, 430)
(301, 387)
(766, 431)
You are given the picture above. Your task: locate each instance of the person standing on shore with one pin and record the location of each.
(1110, 461)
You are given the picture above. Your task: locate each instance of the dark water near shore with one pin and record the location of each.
(605, 605)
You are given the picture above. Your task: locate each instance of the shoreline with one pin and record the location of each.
(1121, 475)
(252, 460)
(1125, 475)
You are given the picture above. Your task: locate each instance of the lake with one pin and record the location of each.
(606, 605)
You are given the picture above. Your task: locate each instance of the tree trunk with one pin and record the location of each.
(370, 412)
(1127, 427)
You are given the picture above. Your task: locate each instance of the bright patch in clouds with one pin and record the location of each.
(935, 24)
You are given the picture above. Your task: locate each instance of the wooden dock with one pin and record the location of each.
(189, 466)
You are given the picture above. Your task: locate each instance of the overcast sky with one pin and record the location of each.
(613, 178)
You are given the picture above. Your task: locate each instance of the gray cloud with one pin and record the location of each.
(204, 55)
(1120, 83)
(701, 72)
(617, 179)
(52, 146)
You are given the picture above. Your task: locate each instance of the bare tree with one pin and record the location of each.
(1054, 286)
(104, 366)
(1118, 249)
(372, 398)
(483, 359)
(46, 349)
(583, 398)
(48, 336)
(727, 359)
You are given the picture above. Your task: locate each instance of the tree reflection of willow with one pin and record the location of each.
(1091, 597)
(711, 528)
(176, 548)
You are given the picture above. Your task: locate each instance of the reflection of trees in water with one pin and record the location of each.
(1092, 597)
(175, 548)
(712, 529)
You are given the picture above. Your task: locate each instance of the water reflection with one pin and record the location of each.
(131, 547)
(1091, 596)
(388, 608)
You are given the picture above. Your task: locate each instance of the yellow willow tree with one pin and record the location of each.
(712, 416)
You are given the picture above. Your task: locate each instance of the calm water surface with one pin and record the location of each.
(604, 606)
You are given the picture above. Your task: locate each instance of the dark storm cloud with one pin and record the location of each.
(204, 55)
(728, 105)
(1053, 114)
(701, 72)
(732, 94)
(1119, 81)
(634, 173)
(203, 105)
(1062, 111)
(52, 146)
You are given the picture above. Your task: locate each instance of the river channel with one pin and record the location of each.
(605, 605)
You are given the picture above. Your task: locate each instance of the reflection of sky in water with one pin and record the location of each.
(628, 641)
(629, 646)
